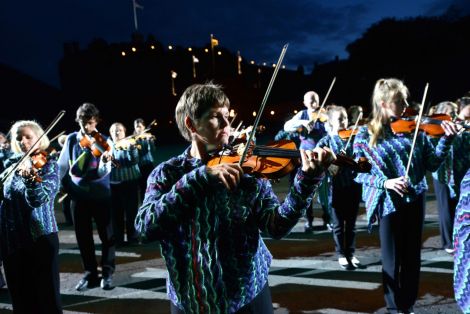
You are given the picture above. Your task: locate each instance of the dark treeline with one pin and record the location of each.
(139, 84)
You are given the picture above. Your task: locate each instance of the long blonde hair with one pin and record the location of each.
(385, 91)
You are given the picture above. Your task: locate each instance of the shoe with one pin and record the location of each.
(87, 282)
(450, 251)
(329, 227)
(343, 262)
(355, 262)
(107, 283)
(308, 228)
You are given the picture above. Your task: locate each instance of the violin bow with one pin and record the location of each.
(415, 136)
(7, 173)
(263, 103)
(359, 117)
(324, 99)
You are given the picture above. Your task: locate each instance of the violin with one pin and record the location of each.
(319, 115)
(131, 141)
(96, 147)
(277, 159)
(429, 124)
(37, 161)
(347, 133)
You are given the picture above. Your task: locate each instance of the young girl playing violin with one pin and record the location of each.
(28, 228)
(392, 198)
(448, 177)
(208, 218)
(124, 184)
(346, 193)
(84, 169)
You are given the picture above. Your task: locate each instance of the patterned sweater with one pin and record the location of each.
(452, 170)
(462, 246)
(345, 176)
(83, 175)
(27, 208)
(128, 168)
(389, 159)
(210, 237)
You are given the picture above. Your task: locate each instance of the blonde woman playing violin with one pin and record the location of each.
(28, 228)
(124, 184)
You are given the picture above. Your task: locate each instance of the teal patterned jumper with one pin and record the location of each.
(211, 237)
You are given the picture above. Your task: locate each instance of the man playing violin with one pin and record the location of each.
(310, 124)
(208, 218)
(85, 176)
(28, 228)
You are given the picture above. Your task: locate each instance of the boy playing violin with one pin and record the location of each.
(208, 218)
(345, 193)
(392, 198)
(85, 177)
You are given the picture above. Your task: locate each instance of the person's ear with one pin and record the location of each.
(189, 124)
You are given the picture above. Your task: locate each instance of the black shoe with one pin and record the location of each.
(88, 281)
(107, 283)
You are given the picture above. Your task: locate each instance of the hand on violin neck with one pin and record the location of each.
(451, 128)
(314, 162)
(227, 174)
(107, 156)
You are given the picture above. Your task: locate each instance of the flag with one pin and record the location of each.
(239, 63)
(195, 60)
(214, 41)
(136, 5)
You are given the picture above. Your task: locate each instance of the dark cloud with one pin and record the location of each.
(33, 32)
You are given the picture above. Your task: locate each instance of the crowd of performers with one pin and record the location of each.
(209, 217)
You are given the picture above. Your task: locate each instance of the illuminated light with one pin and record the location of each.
(206, 50)
(170, 47)
(170, 122)
(283, 66)
(190, 49)
(232, 113)
(252, 62)
(133, 49)
(152, 47)
(295, 111)
(264, 63)
(123, 53)
(272, 112)
(174, 74)
(254, 113)
(219, 53)
(274, 65)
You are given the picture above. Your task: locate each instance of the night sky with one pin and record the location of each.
(32, 33)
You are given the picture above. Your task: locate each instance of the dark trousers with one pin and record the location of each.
(124, 200)
(32, 276)
(446, 206)
(84, 212)
(400, 240)
(344, 214)
(261, 304)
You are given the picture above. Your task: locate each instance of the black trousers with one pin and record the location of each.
(261, 304)
(125, 198)
(84, 212)
(344, 214)
(400, 241)
(32, 275)
(446, 206)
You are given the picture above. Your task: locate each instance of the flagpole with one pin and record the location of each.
(135, 15)
(212, 54)
(239, 61)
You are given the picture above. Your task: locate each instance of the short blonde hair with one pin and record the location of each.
(35, 127)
